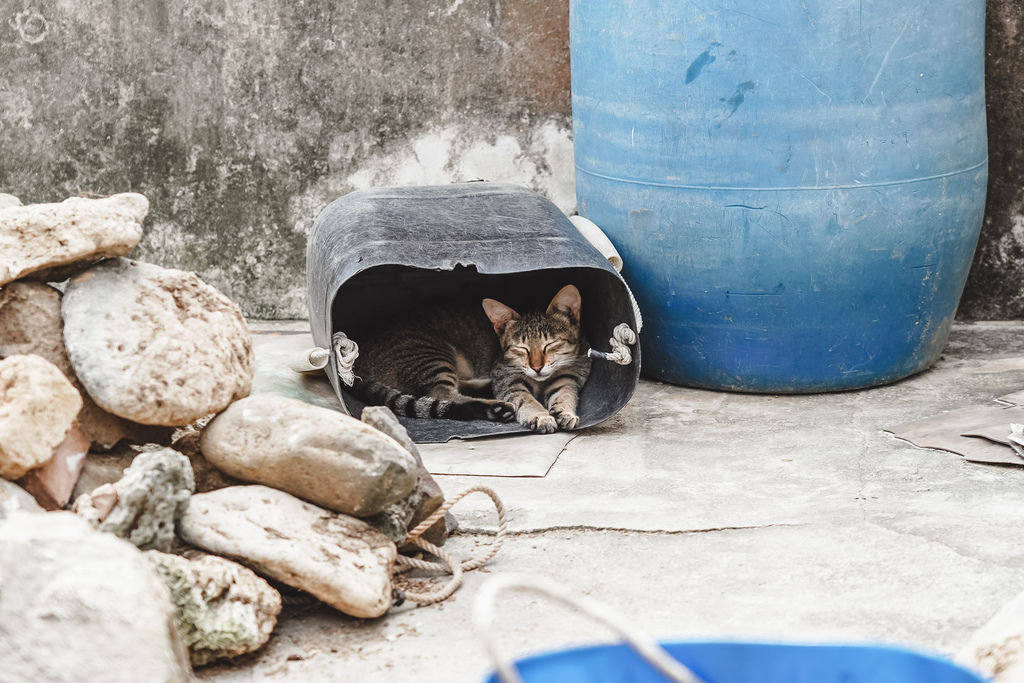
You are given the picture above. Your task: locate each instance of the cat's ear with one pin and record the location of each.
(567, 301)
(499, 314)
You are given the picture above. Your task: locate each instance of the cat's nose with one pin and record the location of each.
(537, 367)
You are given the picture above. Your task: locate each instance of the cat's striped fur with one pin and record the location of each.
(452, 363)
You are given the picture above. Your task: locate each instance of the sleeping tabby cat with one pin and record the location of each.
(449, 362)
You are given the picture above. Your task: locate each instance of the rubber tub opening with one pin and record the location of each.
(363, 272)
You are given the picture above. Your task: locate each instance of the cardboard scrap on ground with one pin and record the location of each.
(499, 456)
(978, 433)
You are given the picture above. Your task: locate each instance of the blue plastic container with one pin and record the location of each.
(796, 188)
(724, 662)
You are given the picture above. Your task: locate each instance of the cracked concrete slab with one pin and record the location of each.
(704, 514)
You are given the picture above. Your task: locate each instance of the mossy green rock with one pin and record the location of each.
(222, 609)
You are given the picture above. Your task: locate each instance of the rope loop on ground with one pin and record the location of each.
(346, 352)
(448, 564)
(622, 338)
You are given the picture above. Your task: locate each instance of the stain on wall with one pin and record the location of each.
(242, 119)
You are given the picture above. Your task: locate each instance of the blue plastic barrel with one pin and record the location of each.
(796, 188)
(725, 662)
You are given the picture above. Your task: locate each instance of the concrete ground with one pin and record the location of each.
(712, 515)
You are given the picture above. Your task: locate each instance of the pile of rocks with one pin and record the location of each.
(124, 396)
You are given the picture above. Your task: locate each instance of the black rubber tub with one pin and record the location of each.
(375, 253)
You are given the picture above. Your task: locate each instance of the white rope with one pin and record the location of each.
(448, 564)
(643, 644)
(636, 307)
(622, 338)
(346, 352)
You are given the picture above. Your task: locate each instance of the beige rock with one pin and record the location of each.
(13, 499)
(317, 454)
(30, 322)
(155, 345)
(41, 236)
(223, 610)
(341, 560)
(78, 605)
(8, 200)
(52, 483)
(37, 407)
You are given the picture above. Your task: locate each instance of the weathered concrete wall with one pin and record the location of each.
(242, 119)
(995, 288)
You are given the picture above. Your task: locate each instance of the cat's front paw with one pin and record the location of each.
(501, 412)
(542, 424)
(565, 419)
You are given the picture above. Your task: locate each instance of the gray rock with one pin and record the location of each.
(397, 519)
(42, 236)
(78, 605)
(341, 560)
(222, 609)
(30, 322)
(37, 407)
(144, 505)
(14, 499)
(317, 454)
(155, 345)
(103, 468)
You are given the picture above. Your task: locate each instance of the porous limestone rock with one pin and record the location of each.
(78, 605)
(997, 648)
(155, 345)
(37, 408)
(399, 518)
(13, 499)
(30, 322)
(144, 505)
(222, 609)
(38, 237)
(314, 453)
(341, 560)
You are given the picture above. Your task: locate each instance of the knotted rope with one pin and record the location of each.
(622, 338)
(346, 352)
(448, 564)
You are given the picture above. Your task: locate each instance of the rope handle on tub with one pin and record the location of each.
(622, 338)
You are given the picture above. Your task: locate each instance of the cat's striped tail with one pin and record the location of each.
(377, 394)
